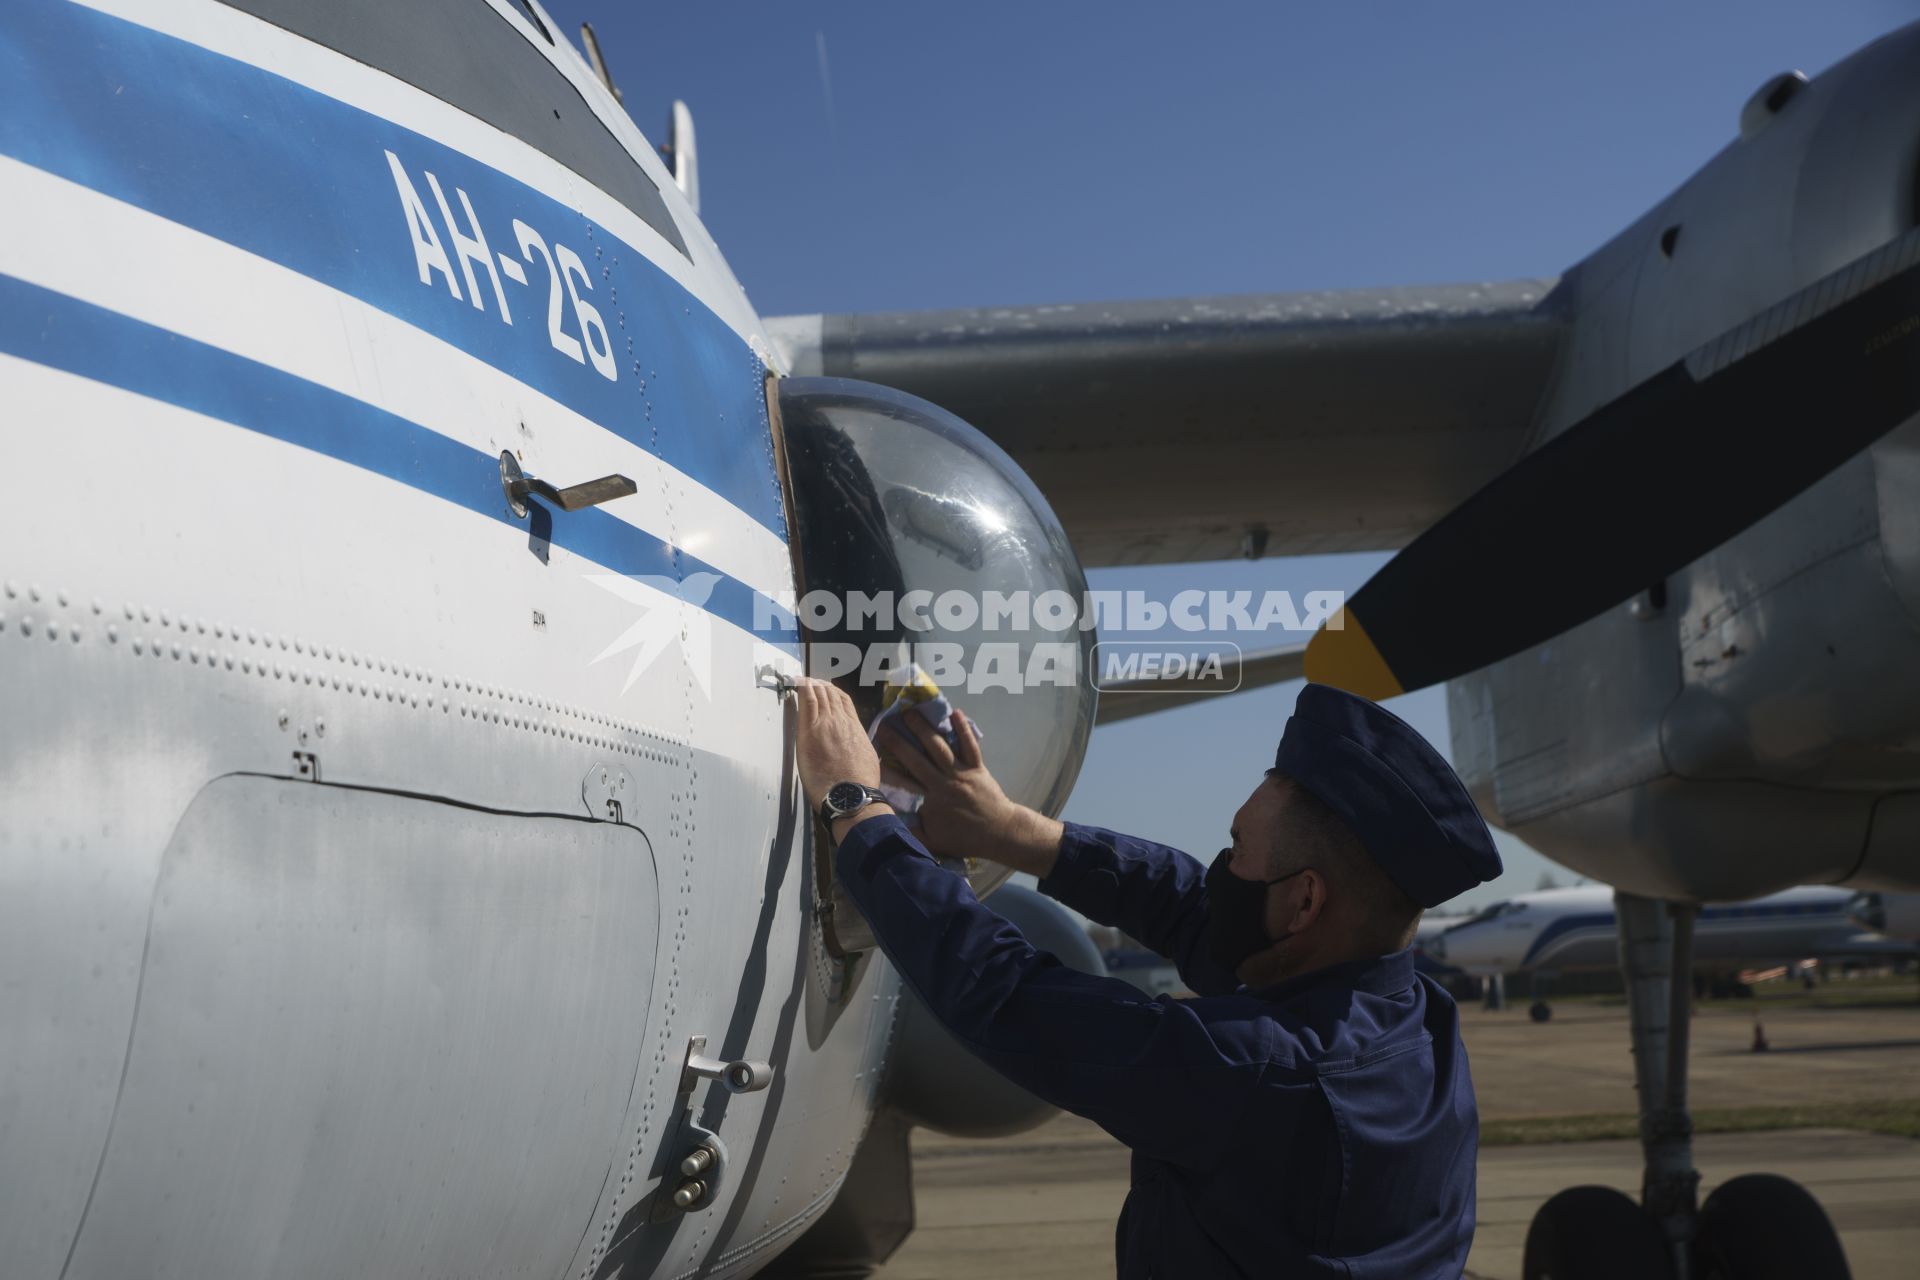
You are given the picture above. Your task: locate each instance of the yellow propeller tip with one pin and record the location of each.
(1342, 654)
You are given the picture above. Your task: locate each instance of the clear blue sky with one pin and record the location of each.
(878, 156)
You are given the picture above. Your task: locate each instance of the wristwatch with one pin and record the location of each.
(845, 798)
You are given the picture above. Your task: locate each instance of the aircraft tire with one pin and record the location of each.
(1761, 1226)
(1540, 1011)
(1594, 1233)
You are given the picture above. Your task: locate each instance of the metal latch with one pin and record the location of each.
(607, 790)
(743, 1076)
(696, 1179)
(518, 486)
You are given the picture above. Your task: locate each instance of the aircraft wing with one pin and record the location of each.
(1207, 428)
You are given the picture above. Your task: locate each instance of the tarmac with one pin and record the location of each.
(1043, 1204)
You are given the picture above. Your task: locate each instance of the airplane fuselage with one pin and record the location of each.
(1565, 930)
(373, 854)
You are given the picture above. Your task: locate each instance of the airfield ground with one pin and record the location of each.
(1843, 1068)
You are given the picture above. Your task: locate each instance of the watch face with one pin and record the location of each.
(845, 797)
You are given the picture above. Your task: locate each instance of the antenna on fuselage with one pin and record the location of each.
(592, 43)
(681, 154)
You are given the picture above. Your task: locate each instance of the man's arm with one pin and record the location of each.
(1148, 1071)
(1152, 892)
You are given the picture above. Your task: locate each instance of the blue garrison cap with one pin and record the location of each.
(1401, 798)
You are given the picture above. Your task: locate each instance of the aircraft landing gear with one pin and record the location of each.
(1540, 1010)
(1756, 1227)
(1585, 1233)
(1760, 1226)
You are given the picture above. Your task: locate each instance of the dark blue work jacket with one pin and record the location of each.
(1322, 1127)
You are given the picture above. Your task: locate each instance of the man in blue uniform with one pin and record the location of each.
(1309, 1112)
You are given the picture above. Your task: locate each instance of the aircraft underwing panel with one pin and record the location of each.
(349, 995)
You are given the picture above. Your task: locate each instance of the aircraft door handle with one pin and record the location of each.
(519, 486)
(738, 1077)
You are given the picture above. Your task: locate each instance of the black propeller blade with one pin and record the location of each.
(1644, 485)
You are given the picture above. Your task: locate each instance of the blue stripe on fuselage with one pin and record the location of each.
(65, 333)
(1708, 915)
(1564, 925)
(302, 179)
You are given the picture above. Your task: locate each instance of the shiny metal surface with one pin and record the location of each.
(424, 1016)
(319, 959)
(897, 499)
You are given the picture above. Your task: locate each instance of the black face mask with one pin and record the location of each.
(1236, 913)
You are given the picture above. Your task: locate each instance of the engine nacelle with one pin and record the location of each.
(933, 1081)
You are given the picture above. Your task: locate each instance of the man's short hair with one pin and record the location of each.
(1320, 838)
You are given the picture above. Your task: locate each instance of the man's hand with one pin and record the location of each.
(966, 813)
(833, 745)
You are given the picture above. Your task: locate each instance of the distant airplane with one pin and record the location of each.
(1154, 974)
(1897, 915)
(1569, 930)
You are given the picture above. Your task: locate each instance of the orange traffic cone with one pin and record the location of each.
(1760, 1044)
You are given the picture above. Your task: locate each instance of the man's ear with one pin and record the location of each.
(1309, 899)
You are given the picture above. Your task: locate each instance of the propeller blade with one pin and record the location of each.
(1642, 486)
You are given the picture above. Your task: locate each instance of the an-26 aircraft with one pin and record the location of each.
(402, 865)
